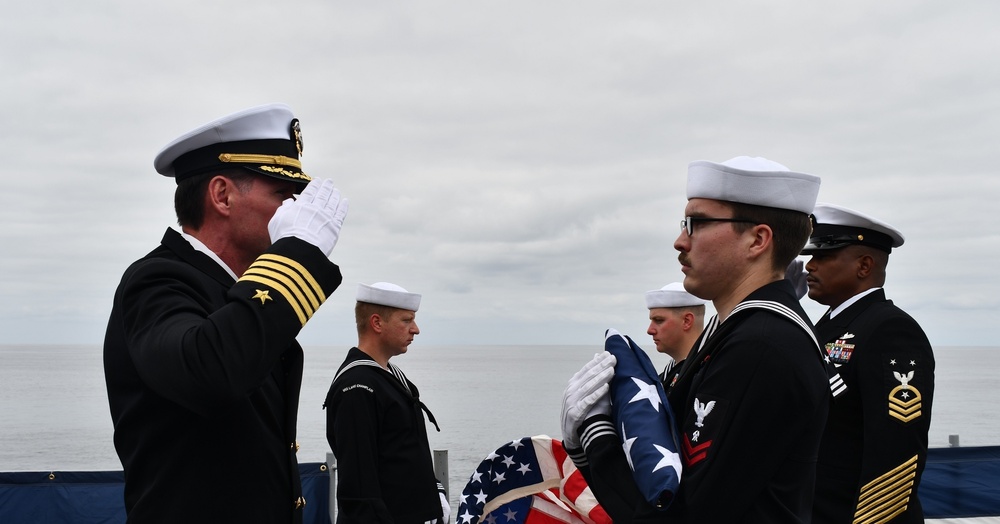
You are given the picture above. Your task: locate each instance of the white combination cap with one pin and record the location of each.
(837, 226)
(672, 295)
(266, 139)
(753, 180)
(386, 294)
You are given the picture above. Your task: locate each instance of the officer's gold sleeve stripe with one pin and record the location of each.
(274, 284)
(300, 269)
(309, 305)
(301, 288)
(887, 496)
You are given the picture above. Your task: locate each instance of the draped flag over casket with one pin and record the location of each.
(644, 421)
(529, 481)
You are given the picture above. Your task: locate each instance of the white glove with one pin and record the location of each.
(587, 394)
(316, 216)
(445, 508)
(797, 275)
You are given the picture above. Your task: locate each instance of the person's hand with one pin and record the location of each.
(797, 275)
(586, 395)
(316, 216)
(445, 508)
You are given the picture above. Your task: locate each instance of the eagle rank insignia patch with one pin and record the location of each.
(698, 440)
(905, 402)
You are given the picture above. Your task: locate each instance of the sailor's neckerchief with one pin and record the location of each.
(699, 358)
(400, 381)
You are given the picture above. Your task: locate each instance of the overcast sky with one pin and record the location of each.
(520, 164)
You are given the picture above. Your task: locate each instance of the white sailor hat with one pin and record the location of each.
(386, 294)
(753, 180)
(672, 295)
(265, 139)
(837, 226)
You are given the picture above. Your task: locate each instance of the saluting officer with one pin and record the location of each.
(200, 358)
(875, 444)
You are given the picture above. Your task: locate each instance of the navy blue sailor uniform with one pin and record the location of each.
(671, 372)
(203, 376)
(750, 404)
(375, 427)
(875, 444)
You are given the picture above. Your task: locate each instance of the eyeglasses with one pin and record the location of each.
(688, 223)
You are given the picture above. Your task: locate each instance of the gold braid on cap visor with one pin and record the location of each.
(260, 159)
(269, 163)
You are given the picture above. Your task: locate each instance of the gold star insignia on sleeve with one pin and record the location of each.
(263, 295)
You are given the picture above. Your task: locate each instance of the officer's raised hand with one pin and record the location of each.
(316, 216)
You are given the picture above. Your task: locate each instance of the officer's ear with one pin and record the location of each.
(864, 265)
(217, 195)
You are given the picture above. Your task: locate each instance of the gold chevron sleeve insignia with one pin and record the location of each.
(904, 403)
(888, 495)
(291, 280)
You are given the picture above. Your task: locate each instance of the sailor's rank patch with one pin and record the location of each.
(905, 402)
(700, 429)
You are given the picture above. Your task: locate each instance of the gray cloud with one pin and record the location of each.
(520, 165)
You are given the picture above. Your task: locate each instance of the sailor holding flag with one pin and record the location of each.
(752, 398)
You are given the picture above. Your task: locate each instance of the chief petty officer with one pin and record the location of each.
(875, 443)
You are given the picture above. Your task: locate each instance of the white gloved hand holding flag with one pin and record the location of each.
(586, 395)
(644, 421)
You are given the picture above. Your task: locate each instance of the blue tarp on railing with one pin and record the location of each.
(961, 482)
(97, 497)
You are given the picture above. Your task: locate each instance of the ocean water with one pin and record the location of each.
(54, 410)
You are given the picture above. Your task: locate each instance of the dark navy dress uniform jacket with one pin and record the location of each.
(203, 377)
(875, 444)
(751, 406)
(375, 427)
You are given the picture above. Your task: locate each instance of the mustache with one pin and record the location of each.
(683, 260)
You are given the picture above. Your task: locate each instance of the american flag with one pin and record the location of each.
(529, 481)
(644, 421)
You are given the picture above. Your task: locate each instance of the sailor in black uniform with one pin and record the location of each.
(751, 400)
(875, 443)
(676, 319)
(375, 420)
